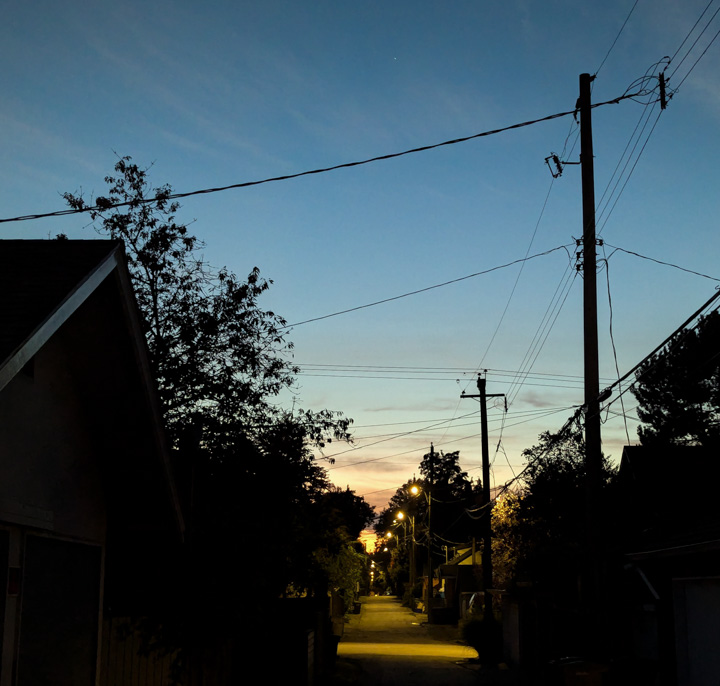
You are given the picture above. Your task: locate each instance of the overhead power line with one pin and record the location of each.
(542, 333)
(576, 387)
(707, 47)
(563, 432)
(377, 371)
(287, 177)
(666, 264)
(689, 33)
(680, 328)
(427, 288)
(528, 413)
(647, 113)
(335, 465)
(690, 49)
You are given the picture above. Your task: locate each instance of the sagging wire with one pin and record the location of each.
(612, 337)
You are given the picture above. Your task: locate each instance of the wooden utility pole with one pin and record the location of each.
(487, 524)
(429, 589)
(593, 449)
(413, 569)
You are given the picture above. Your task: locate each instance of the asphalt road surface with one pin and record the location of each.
(388, 645)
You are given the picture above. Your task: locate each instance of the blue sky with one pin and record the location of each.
(225, 92)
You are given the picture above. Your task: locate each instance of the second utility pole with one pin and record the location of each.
(429, 588)
(487, 523)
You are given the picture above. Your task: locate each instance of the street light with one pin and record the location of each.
(401, 515)
(416, 490)
(427, 492)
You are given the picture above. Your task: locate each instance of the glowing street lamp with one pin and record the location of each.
(401, 515)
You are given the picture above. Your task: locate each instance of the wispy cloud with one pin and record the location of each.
(46, 145)
(207, 125)
(431, 405)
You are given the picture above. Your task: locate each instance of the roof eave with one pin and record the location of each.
(45, 330)
(67, 307)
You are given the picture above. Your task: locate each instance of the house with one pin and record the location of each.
(460, 578)
(672, 555)
(89, 510)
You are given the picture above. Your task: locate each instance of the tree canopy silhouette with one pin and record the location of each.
(220, 361)
(678, 388)
(219, 358)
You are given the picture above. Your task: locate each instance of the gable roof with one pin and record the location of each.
(41, 284)
(46, 285)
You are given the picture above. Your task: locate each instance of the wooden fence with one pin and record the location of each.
(123, 661)
(297, 653)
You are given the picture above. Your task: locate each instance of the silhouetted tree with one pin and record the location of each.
(443, 472)
(551, 513)
(452, 493)
(678, 388)
(343, 509)
(540, 528)
(446, 493)
(338, 559)
(510, 540)
(220, 361)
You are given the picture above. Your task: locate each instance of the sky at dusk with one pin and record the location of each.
(220, 93)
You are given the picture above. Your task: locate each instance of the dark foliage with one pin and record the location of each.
(346, 511)
(442, 472)
(218, 358)
(258, 505)
(445, 496)
(678, 389)
(453, 493)
(543, 537)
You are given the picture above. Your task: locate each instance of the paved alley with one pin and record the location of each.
(388, 645)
